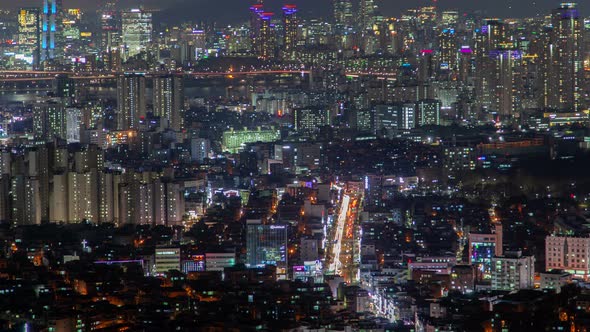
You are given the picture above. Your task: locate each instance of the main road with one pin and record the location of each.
(343, 237)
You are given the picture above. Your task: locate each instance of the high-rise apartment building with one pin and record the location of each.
(255, 26)
(131, 100)
(513, 272)
(505, 98)
(200, 149)
(490, 37)
(25, 200)
(290, 27)
(267, 36)
(563, 65)
(49, 121)
(168, 100)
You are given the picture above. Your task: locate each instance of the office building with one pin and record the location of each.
(570, 254)
(463, 278)
(428, 112)
(484, 247)
(448, 49)
(343, 16)
(555, 279)
(309, 249)
(267, 245)
(51, 28)
(136, 31)
(110, 21)
(29, 35)
(449, 17)
(395, 116)
(166, 259)
(363, 120)
(310, 120)
(217, 261)
(131, 100)
(233, 141)
(368, 11)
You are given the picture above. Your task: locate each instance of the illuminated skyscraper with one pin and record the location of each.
(50, 28)
(491, 37)
(290, 24)
(255, 25)
(505, 100)
(169, 100)
(368, 10)
(109, 24)
(110, 35)
(131, 101)
(136, 31)
(267, 36)
(29, 34)
(448, 49)
(563, 60)
(343, 14)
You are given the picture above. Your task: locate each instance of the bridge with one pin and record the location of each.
(32, 75)
(35, 75)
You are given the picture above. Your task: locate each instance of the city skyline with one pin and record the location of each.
(295, 166)
(217, 10)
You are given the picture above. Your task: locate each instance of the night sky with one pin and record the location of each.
(232, 10)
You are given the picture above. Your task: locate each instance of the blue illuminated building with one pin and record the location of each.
(49, 28)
